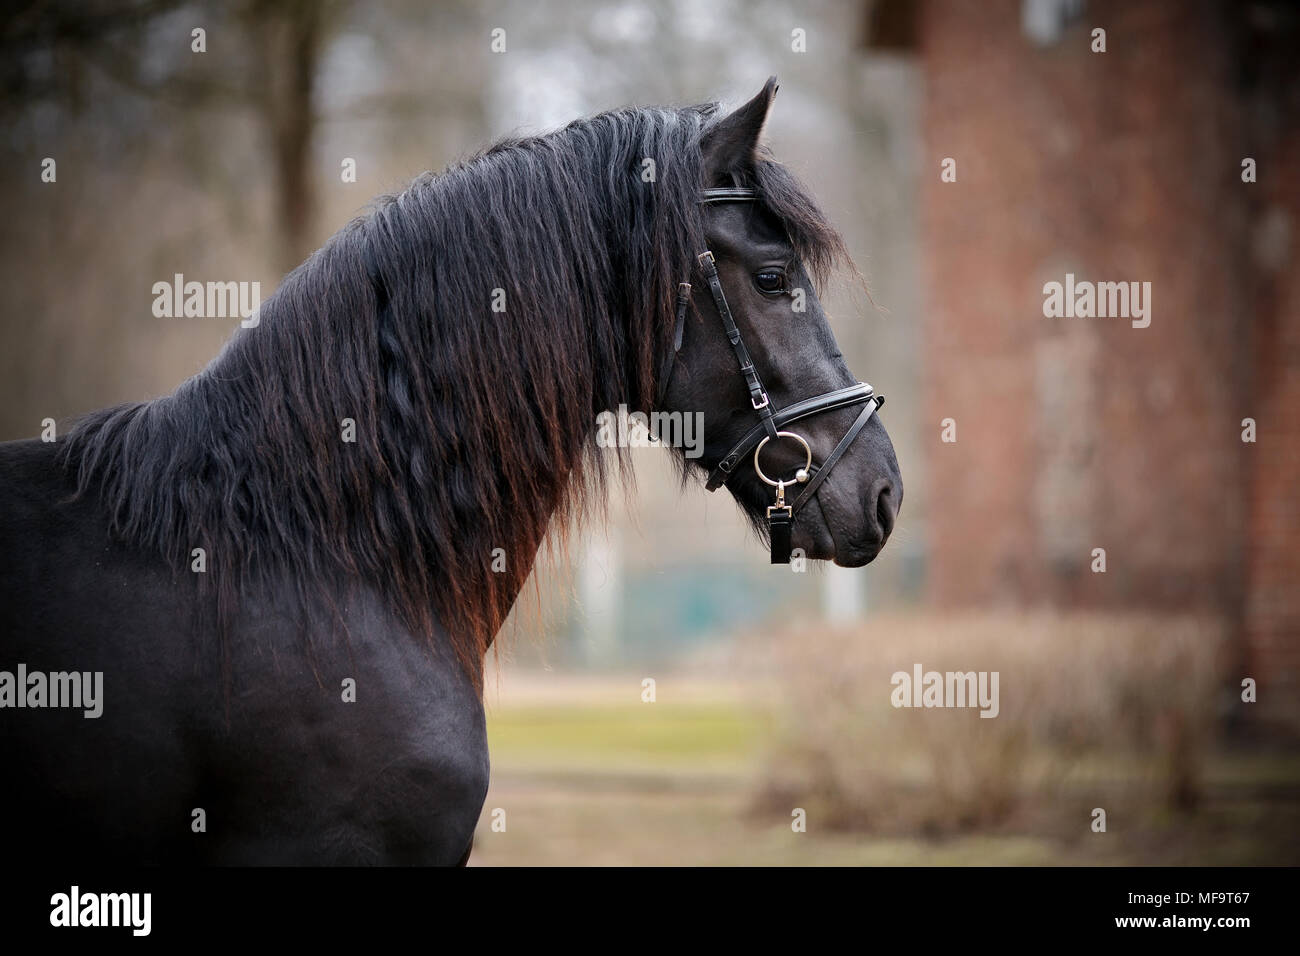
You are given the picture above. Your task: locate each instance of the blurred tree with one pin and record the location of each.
(266, 57)
(289, 36)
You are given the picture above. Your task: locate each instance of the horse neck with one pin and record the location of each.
(444, 470)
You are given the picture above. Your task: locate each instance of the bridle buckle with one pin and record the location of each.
(780, 502)
(757, 404)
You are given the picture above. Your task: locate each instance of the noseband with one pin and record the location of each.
(772, 422)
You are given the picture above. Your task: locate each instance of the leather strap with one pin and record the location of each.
(670, 360)
(819, 476)
(757, 395)
(780, 524)
(852, 395)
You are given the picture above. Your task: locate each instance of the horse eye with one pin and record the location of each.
(770, 281)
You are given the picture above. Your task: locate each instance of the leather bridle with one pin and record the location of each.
(772, 422)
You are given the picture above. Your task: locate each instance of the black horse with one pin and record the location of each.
(288, 571)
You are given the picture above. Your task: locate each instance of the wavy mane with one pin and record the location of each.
(473, 427)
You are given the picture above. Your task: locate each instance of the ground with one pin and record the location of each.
(589, 774)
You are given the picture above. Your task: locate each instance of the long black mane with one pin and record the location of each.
(473, 427)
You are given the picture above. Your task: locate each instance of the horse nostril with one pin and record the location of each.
(885, 510)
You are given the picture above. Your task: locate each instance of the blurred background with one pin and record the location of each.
(770, 688)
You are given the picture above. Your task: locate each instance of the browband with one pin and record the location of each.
(728, 194)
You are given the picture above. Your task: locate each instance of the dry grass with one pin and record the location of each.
(1095, 711)
(1110, 712)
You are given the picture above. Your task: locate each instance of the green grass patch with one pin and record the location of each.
(708, 737)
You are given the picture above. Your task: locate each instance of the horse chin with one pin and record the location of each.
(856, 557)
(813, 538)
(844, 550)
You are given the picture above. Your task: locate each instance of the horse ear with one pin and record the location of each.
(729, 145)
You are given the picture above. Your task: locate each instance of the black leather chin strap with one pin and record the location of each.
(780, 526)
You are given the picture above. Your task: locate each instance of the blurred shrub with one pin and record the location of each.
(1093, 711)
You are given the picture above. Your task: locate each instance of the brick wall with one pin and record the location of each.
(1083, 433)
(1271, 618)
(1076, 434)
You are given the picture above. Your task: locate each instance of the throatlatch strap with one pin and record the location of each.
(670, 360)
(757, 395)
(780, 522)
(683, 303)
